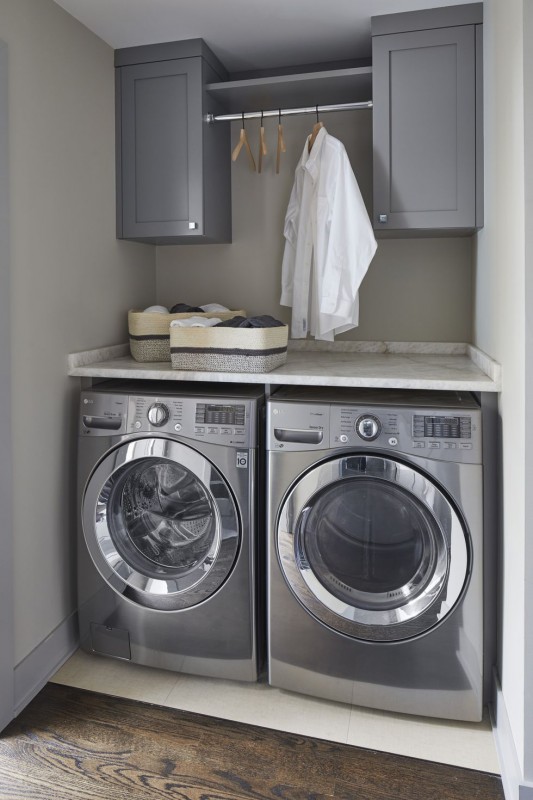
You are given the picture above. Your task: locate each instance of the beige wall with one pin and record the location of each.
(415, 290)
(71, 283)
(499, 316)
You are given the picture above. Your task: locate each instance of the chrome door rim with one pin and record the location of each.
(165, 593)
(425, 609)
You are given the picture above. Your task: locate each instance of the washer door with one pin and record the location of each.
(372, 548)
(160, 523)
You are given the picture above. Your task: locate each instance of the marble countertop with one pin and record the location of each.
(389, 365)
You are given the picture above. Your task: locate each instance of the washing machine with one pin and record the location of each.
(168, 542)
(375, 548)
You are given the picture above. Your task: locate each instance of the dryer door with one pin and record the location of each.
(160, 523)
(373, 548)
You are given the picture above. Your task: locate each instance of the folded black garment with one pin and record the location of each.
(183, 308)
(263, 321)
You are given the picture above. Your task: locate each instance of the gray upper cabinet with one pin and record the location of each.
(427, 120)
(173, 169)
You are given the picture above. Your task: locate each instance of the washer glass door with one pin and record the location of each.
(160, 523)
(373, 548)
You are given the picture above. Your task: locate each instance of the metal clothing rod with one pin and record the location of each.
(289, 112)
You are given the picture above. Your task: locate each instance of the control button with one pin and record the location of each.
(465, 445)
(226, 431)
(177, 427)
(368, 427)
(393, 441)
(213, 430)
(343, 438)
(158, 414)
(138, 424)
(199, 429)
(419, 444)
(434, 445)
(449, 445)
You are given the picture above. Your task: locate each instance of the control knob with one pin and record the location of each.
(368, 427)
(158, 414)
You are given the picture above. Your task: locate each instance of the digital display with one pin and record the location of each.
(436, 427)
(215, 414)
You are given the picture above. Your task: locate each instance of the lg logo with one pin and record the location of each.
(242, 460)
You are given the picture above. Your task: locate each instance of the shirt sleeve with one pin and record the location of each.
(345, 243)
(292, 219)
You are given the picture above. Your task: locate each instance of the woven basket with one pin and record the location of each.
(150, 332)
(228, 349)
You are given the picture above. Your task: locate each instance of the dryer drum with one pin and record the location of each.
(380, 555)
(370, 542)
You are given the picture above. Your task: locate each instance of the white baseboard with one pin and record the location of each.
(514, 786)
(34, 671)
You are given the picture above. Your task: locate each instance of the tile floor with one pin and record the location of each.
(462, 744)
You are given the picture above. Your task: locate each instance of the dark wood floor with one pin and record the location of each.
(72, 744)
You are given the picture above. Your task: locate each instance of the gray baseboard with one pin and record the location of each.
(35, 670)
(514, 786)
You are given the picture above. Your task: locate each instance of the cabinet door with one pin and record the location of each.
(161, 149)
(425, 129)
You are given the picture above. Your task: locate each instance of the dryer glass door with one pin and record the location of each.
(373, 548)
(160, 523)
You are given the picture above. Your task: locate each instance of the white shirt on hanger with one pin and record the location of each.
(329, 243)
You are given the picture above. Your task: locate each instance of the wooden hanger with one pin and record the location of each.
(243, 140)
(262, 146)
(314, 132)
(281, 143)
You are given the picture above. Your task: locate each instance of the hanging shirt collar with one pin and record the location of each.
(310, 161)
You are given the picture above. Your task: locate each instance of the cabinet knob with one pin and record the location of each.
(383, 218)
(193, 226)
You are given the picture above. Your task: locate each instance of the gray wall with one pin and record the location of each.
(528, 172)
(71, 284)
(501, 325)
(6, 486)
(415, 290)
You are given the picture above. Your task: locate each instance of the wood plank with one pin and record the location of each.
(70, 743)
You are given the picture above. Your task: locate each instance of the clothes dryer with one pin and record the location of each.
(169, 526)
(375, 548)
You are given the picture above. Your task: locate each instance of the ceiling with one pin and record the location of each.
(246, 34)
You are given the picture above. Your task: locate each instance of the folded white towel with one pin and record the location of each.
(210, 307)
(195, 322)
(157, 310)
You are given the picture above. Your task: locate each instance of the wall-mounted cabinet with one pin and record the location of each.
(173, 170)
(427, 121)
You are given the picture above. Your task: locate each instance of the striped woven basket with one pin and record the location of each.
(150, 332)
(228, 349)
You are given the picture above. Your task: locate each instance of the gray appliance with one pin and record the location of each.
(375, 548)
(168, 543)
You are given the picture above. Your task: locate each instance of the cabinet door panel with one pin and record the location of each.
(161, 148)
(424, 129)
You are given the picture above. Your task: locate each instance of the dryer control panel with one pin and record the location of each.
(444, 434)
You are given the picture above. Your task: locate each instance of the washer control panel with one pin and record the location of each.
(230, 423)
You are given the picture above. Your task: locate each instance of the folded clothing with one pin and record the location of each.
(184, 308)
(263, 321)
(209, 308)
(195, 322)
(156, 310)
